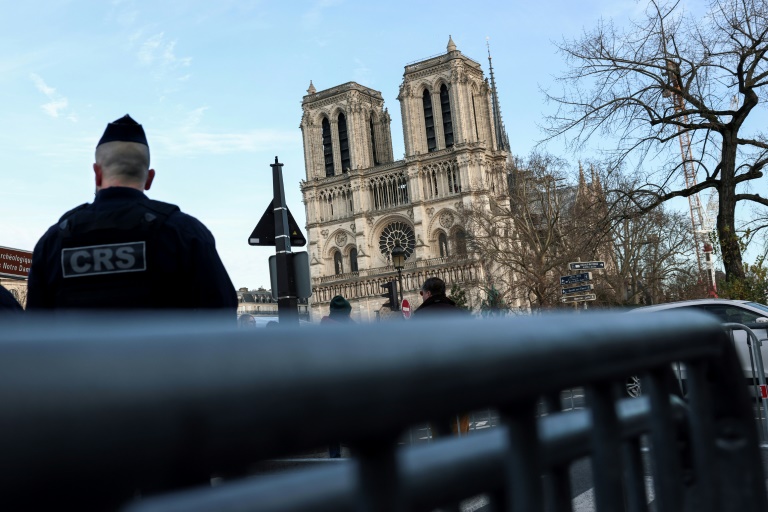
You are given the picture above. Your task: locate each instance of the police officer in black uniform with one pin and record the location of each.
(125, 250)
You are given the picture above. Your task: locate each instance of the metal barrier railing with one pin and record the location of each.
(758, 373)
(99, 410)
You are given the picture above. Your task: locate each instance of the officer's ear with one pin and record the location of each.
(150, 177)
(99, 175)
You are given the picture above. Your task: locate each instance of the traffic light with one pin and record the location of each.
(391, 294)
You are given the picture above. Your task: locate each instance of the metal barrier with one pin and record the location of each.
(96, 409)
(758, 372)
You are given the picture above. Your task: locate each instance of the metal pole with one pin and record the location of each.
(400, 282)
(287, 301)
(575, 303)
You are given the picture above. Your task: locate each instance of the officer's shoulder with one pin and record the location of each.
(170, 213)
(187, 224)
(73, 211)
(161, 207)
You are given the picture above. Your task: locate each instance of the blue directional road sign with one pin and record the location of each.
(586, 265)
(579, 289)
(579, 298)
(575, 278)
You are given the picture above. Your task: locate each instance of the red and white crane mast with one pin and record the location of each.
(701, 221)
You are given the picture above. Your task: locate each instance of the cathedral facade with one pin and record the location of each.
(361, 203)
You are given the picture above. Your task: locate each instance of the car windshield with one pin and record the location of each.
(758, 306)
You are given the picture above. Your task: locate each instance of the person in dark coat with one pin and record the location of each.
(437, 305)
(124, 250)
(8, 302)
(339, 313)
(435, 301)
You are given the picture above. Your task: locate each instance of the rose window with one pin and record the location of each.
(394, 234)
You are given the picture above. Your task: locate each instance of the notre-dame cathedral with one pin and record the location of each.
(361, 203)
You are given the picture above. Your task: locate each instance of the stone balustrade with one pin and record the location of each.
(367, 282)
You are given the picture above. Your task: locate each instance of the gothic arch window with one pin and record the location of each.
(429, 121)
(343, 142)
(336, 202)
(441, 180)
(402, 189)
(445, 106)
(433, 182)
(353, 260)
(388, 191)
(327, 147)
(338, 264)
(373, 142)
(442, 242)
(397, 233)
(460, 239)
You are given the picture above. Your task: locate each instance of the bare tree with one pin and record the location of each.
(652, 259)
(668, 82)
(527, 239)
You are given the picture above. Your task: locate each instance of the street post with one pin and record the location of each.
(287, 301)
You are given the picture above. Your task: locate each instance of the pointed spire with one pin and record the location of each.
(582, 180)
(311, 89)
(597, 185)
(451, 45)
(502, 141)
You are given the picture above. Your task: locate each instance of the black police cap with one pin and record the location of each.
(124, 129)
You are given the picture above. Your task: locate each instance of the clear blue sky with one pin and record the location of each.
(218, 87)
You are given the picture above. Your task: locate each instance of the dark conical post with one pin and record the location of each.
(287, 302)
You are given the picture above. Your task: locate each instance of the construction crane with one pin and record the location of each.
(710, 216)
(701, 220)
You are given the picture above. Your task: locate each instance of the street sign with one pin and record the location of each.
(264, 232)
(406, 309)
(579, 298)
(300, 265)
(14, 262)
(579, 289)
(576, 278)
(586, 265)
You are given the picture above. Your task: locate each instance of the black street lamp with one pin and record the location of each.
(398, 261)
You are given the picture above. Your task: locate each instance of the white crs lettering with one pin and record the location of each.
(125, 258)
(103, 259)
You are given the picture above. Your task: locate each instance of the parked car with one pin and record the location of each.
(728, 311)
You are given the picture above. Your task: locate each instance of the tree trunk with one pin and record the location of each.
(726, 215)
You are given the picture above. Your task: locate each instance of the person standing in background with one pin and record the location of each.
(340, 310)
(437, 305)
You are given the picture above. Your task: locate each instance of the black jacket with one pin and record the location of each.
(127, 251)
(438, 305)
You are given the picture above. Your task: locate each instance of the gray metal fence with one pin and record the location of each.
(103, 412)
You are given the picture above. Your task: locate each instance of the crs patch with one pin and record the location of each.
(104, 259)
